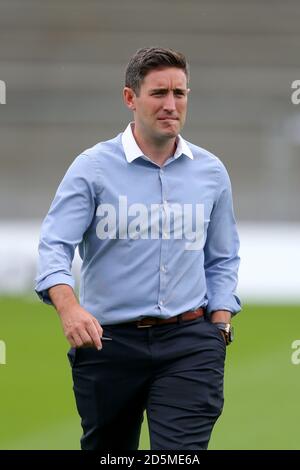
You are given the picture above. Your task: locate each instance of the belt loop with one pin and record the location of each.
(179, 318)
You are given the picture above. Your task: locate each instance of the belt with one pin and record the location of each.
(182, 317)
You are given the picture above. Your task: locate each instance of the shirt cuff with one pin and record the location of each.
(52, 280)
(224, 302)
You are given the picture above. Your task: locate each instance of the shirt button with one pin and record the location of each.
(161, 302)
(163, 268)
(165, 235)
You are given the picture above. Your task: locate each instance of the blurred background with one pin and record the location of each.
(63, 66)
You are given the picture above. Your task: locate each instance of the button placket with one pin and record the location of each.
(164, 240)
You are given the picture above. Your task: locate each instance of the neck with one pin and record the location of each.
(157, 150)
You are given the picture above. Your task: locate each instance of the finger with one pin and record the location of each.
(86, 339)
(97, 325)
(77, 340)
(71, 341)
(93, 332)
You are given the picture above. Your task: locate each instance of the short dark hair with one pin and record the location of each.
(150, 58)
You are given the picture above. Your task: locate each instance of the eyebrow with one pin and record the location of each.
(167, 89)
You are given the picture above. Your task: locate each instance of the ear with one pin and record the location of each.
(129, 98)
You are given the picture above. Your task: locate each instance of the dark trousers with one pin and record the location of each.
(174, 372)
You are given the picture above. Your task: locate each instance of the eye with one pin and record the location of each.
(179, 93)
(158, 93)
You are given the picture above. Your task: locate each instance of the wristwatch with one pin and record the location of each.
(227, 330)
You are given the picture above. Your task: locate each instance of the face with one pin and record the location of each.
(160, 109)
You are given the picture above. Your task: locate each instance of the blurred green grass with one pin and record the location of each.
(262, 386)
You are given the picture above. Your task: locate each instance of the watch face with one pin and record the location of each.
(227, 329)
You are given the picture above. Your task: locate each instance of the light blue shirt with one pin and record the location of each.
(154, 241)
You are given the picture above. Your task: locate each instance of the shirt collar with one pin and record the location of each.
(133, 151)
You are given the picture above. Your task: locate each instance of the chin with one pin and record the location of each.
(166, 135)
(170, 132)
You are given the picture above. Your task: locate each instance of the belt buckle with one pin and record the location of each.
(142, 326)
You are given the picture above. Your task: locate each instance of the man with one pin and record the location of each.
(152, 215)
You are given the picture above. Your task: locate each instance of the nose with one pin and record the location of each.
(169, 103)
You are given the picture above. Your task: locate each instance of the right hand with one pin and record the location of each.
(81, 328)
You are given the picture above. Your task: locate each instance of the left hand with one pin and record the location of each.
(221, 316)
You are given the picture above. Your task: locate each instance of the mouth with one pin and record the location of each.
(168, 118)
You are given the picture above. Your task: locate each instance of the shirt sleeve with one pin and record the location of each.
(69, 216)
(221, 251)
